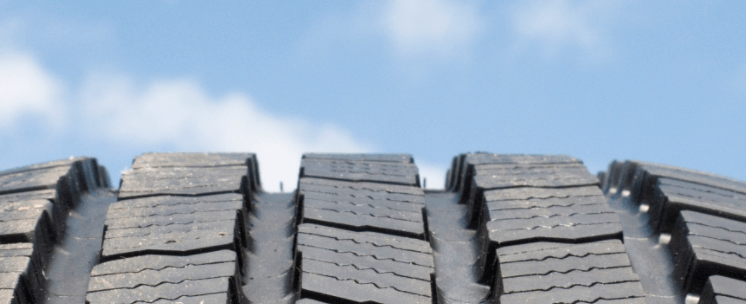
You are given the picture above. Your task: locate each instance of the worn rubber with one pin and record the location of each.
(35, 202)
(684, 230)
(359, 228)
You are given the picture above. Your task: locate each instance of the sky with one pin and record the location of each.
(658, 81)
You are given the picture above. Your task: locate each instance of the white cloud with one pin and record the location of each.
(26, 89)
(431, 27)
(180, 114)
(559, 24)
(411, 29)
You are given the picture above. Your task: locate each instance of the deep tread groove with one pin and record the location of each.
(523, 201)
(703, 214)
(179, 206)
(35, 202)
(197, 228)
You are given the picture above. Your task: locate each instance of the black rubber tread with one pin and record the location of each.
(209, 277)
(533, 203)
(26, 221)
(34, 177)
(34, 203)
(26, 225)
(667, 190)
(173, 225)
(202, 160)
(492, 177)
(520, 229)
(385, 208)
(175, 208)
(702, 212)
(362, 171)
(361, 234)
(363, 266)
(672, 196)
(182, 181)
(394, 158)
(268, 276)
(62, 182)
(191, 160)
(20, 275)
(462, 168)
(78, 250)
(47, 194)
(707, 245)
(567, 273)
(538, 202)
(456, 251)
(723, 290)
(573, 215)
(646, 174)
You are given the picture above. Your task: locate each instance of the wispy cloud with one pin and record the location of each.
(174, 113)
(434, 30)
(182, 115)
(557, 25)
(27, 89)
(431, 27)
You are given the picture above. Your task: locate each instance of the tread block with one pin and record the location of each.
(26, 221)
(521, 215)
(647, 174)
(707, 245)
(567, 273)
(494, 177)
(368, 157)
(202, 160)
(164, 160)
(47, 194)
(670, 196)
(20, 275)
(363, 266)
(34, 203)
(362, 171)
(364, 206)
(723, 290)
(174, 225)
(33, 177)
(62, 181)
(182, 181)
(202, 278)
(463, 165)
(490, 177)
(532, 175)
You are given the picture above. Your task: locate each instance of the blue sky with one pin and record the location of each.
(659, 81)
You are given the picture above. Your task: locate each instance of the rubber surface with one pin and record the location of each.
(359, 228)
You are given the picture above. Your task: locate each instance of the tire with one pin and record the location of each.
(359, 228)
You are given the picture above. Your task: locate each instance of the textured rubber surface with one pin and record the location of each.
(723, 290)
(567, 273)
(686, 230)
(152, 278)
(361, 231)
(541, 222)
(198, 228)
(34, 204)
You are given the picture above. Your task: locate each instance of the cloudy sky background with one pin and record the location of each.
(660, 81)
